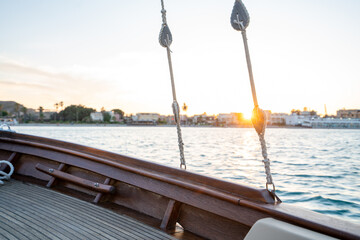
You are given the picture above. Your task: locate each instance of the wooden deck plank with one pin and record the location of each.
(27, 221)
(35, 212)
(67, 230)
(42, 200)
(82, 209)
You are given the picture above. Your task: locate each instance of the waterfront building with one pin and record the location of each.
(225, 118)
(96, 117)
(233, 118)
(297, 118)
(151, 117)
(144, 119)
(277, 119)
(200, 119)
(333, 123)
(348, 113)
(115, 117)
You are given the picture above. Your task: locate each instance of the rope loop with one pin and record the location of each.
(183, 166)
(4, 175)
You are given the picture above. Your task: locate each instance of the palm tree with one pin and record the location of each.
(184, 107)
(61, 107)
(17, 108)
(57, 107)
(24, 111)
(41, 114)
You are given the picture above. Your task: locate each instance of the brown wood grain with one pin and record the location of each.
(52, 180)
(171, 215)
(98, 187)
(99, 195)
(261, 195)
(12, 159)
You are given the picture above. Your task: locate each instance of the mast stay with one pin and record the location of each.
(165, 40)
(240, 21)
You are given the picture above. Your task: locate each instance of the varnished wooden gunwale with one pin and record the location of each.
(254, 194)
(183, 187)
(151, 170)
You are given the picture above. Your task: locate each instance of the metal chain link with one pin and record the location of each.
(165, 40)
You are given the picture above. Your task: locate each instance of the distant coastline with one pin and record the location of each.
(159, 126)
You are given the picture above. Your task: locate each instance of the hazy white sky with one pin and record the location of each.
(305, 53)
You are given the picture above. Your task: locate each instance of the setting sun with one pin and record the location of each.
(247, 115)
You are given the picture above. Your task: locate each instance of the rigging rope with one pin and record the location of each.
(240, 20)
(165, 39)
(4, 175)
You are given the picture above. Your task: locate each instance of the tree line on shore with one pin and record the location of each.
(70, 114)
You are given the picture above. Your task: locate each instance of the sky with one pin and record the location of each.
(304, 53)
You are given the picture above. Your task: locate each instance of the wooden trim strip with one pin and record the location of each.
(52, 180)
(98, 187)
(99, 195)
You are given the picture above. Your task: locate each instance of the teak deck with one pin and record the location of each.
(159, 196)
(32, 212)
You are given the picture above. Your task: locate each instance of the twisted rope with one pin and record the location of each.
(165, 40)
(240, 20)
(163, 12)
(176, 111)
(4, 175)
(266, 160)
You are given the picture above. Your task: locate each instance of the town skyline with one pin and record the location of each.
(12, 113)
(59, 106)
(114, 59)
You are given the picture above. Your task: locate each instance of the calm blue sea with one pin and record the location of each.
(318, 169)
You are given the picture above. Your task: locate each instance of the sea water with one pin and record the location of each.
(318, 169)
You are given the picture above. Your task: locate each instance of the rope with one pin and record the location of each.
(165, 40)
(176, 111)
(4, 126)
(4, 175)
(266, 160)
(240, 20)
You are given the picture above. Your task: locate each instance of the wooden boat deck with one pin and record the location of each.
(31, 212)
